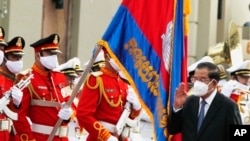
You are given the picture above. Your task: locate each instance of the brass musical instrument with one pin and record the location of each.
(7, 95)
(225, 52)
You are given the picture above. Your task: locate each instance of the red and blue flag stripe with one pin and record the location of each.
(141, 38)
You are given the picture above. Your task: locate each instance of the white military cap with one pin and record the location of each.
(99, 60)
(71, 67)
(203, 59)
(240, 69)
(222, 70)
(77, 64)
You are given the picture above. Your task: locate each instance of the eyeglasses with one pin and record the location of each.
(204, 80)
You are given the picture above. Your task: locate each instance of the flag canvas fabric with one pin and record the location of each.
(179, 62)
(140, 38)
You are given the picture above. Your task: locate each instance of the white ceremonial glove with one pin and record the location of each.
(131, 97)
(65, 113)
(112, 138)
(3, 103)
(16, 95)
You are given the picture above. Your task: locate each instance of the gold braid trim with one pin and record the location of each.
(32, 91)
(99, 83)
(240, 107)
(11, 77)
(25, 137)
(73, 115)
(102, 92)
(103, 134)
(94, 87)
(91, 87)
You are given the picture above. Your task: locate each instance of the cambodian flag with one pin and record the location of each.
(141, 40)
(179, 61)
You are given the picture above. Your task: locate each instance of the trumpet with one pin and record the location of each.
(24, 82)
(6, 97)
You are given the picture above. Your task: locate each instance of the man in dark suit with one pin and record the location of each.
(218, 111)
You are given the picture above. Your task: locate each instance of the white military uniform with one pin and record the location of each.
(223, 77)
(70, 68)
(75, 133)
(238, 91)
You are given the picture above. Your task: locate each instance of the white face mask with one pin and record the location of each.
(14, 66)
(76, 80)
(200, 88)
(114, 65)
(49, 62)
(241, 86)
(1, 57)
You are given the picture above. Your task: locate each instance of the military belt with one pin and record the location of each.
(45, 103)
(62, 131)
(5, 125)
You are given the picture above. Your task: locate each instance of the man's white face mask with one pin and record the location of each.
(49, 62)
(241, 86)
(14, 66)
(76, 80)
(200, 88)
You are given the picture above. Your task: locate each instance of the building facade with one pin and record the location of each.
(81, 23)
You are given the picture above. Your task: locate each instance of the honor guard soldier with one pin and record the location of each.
(223, 77)
(240, 75)
(43, 100)
(11, 66)
(238, 88)
(71, 68)
(2, 44)
(102, 101)
(98, 63)
(78, 69)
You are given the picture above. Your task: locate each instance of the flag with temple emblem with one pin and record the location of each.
(140, 38)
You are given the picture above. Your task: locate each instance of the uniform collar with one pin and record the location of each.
(40, 71)
(9, 76)
(108, 72)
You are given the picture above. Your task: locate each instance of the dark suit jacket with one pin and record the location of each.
(222, 113)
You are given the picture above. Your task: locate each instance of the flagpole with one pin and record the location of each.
(75, 90)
